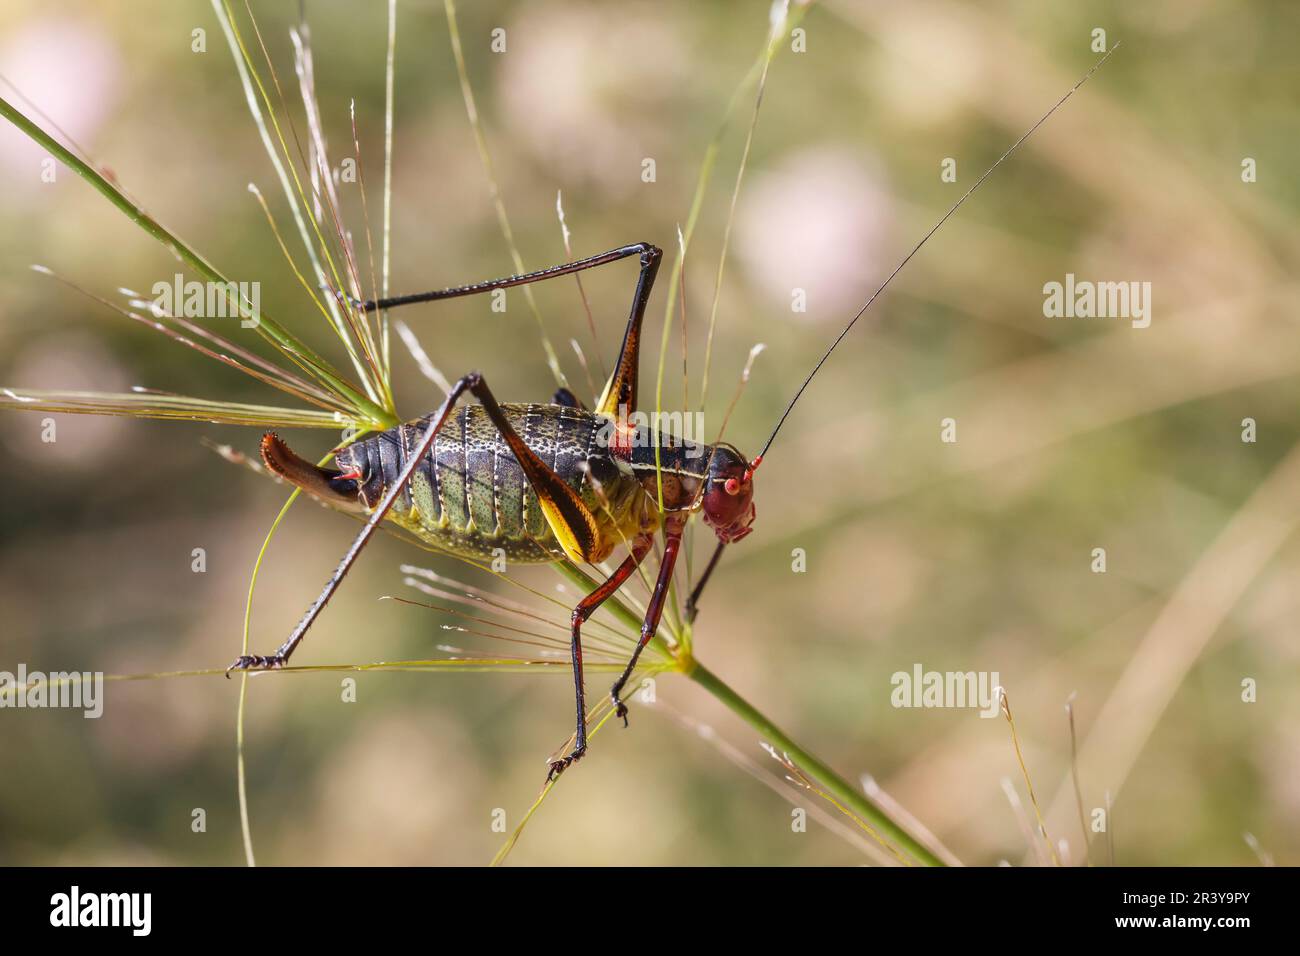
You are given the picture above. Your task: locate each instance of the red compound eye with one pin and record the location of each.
(731, 486)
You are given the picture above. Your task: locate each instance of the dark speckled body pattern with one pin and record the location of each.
(470, 496)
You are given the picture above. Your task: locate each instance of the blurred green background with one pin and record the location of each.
(1072, 434)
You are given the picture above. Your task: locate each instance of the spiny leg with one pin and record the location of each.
(281, 656)
(506, 282)
(672, 544)
(587, 607)
(620, 391)
(573, 523)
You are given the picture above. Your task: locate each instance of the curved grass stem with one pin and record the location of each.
(844, 792)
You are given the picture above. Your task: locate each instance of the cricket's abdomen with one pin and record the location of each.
(470, 497)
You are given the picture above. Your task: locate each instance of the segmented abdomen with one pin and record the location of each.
(469, 494)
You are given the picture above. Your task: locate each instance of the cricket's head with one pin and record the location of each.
(728, 501)
(329, 485)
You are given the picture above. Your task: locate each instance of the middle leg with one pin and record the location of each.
(673, 527)
(587, 607)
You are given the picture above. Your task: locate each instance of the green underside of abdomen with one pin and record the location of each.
(476, 501)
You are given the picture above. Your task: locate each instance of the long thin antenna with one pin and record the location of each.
(924, 239)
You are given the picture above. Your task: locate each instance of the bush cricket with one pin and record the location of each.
(550, 482)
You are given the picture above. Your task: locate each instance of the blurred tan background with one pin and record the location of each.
(1072, 434)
